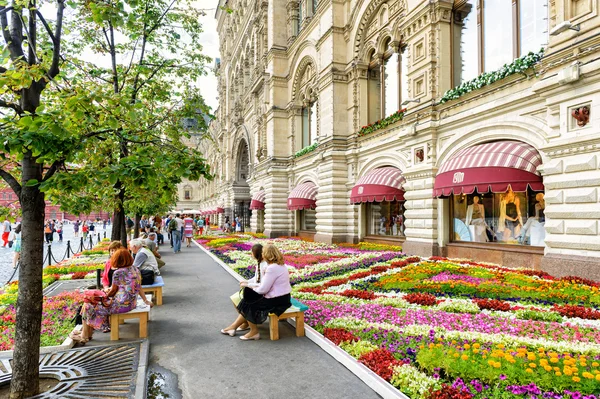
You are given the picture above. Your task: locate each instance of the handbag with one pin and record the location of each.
(94, 297)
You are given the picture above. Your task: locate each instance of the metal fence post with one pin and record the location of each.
(68, 248)
(49, 254)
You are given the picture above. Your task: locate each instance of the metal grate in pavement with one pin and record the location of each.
(86, 373)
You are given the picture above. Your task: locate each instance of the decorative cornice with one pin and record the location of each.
(571, 147)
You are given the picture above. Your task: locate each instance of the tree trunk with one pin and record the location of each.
(136, 230)
(119, 230)
(25, 380)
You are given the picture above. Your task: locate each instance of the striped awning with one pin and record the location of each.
(258, 201)
(490, 167)
(304, 196)
(381, 184)
(219, 209)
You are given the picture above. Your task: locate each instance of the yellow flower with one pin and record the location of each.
(558, 373)
(456, 355)
(500, 346)
(431, 346)
(464, 357)
(476, 345)
(532, 365)
(475, 350)
(529, 370)
(497, 365)
(520, 354)
(547, 368)
(597, 377)
(467, 346)
(576, 379)
(491, 362)
(595, 364)
(588, 375)
(531, 356)
(553, 360)
(555, 368)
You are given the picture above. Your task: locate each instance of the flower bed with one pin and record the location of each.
(58, 310)
(440, 328)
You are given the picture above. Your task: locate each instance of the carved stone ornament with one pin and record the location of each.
(419, 155)
(582, 115)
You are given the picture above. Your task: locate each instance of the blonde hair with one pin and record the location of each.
(272, 255)
(115, 245)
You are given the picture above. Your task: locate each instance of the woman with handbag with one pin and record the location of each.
(120, 298)
(271, 295)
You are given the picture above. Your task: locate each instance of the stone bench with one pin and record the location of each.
(141, 312)
(155, 289)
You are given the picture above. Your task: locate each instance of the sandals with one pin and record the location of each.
(78, 338)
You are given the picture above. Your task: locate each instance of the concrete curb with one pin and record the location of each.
(373, 381)
(141, 382)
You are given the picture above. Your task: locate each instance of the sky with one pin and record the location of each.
(210, 40)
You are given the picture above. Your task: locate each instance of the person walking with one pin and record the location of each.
(76, 228)
(7, 228)
(188, 230)
(59, 230)
(85, 230)
(48, 232)
(17, 246)
(176, 227)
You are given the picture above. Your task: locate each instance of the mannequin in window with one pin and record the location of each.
(533, 222)
(382, 225)
(476, 218)
(510, 220)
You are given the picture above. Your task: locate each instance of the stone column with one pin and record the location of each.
(571, 180)
(421, 215)
(278, 220)
(334, 211)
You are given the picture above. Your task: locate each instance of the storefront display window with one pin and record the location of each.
(308, 219)
(385, 218)
(506, 218)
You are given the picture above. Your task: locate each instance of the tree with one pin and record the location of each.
(151, 93)
(57, 111)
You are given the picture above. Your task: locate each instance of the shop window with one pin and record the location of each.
(308, 219)
(500, 36)
(187, 195)
(506, 218)
(385, 218)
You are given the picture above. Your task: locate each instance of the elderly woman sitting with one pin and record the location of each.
(145, 261)
(120, 298)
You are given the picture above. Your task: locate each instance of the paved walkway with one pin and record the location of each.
(185, 340)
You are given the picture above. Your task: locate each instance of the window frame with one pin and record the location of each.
(309, 121)
(377, 61)
(480, 16)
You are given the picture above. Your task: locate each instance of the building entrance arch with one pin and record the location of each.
(241, 190)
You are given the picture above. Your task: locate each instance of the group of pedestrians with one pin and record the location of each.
(11, 238)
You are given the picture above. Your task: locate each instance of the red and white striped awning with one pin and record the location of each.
(258, 201)
(304, 196)
(381, 184)
(490, 167)
(219, 209)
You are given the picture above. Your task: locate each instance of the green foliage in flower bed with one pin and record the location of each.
(306, 150)
(520, 65)
(382, 123)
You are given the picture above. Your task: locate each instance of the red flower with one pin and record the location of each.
(358, 294)
(449, 392)
(492, 304)
(577, 311)
(335, 282)
(421, 299)
(314, 290)
(381, 361)
(339, 335)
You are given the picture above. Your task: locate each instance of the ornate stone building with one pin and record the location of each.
(433, 123)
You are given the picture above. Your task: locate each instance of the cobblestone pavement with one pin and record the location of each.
(59, 249)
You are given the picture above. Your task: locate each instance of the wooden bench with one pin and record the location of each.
(297, 311)
(155, 289)
(141, 312)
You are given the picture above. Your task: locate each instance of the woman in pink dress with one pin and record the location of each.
(120, 298)
(188, 229)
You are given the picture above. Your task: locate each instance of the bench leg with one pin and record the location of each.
(274, 327)
(300, 324)
(159, 297)
(144, 325)
(114, 328)
(121, 321)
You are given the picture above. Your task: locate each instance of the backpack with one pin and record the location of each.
(173, 224)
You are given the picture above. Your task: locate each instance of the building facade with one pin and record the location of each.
(462, 128)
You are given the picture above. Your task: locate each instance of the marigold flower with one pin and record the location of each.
(576, 379)
(532, 365)
(529, 370)
(464, 357)
(558, 373)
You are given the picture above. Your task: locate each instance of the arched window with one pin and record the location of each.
(387, 81)
(505, 31)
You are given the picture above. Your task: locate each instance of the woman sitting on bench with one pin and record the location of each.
(120, 298)
(271, 295)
